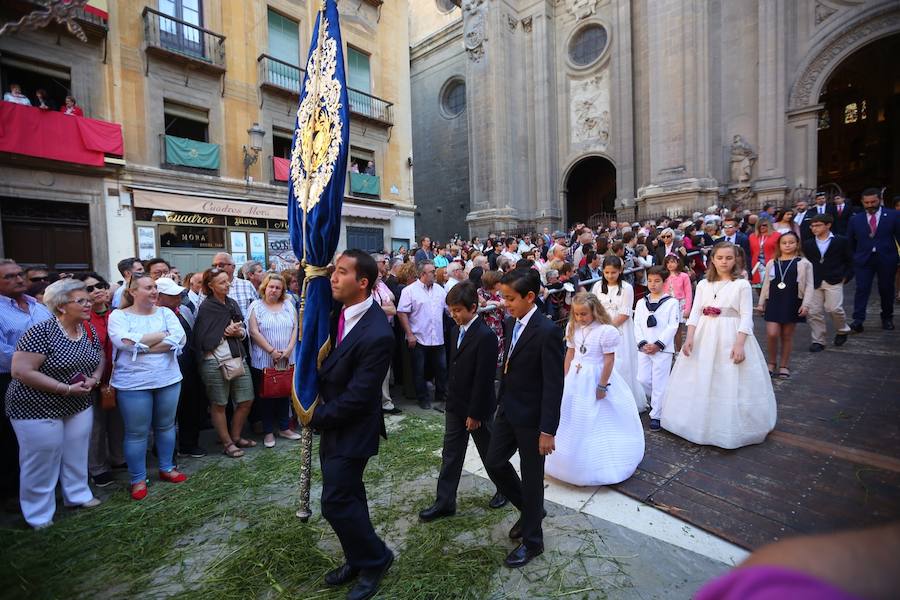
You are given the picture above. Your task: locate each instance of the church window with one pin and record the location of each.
(587, 45)
(453, 100)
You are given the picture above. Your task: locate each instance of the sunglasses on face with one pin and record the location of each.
(37, 279)
(666, 237)
(97, 286)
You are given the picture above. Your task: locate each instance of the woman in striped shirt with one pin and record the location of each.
(273, 333)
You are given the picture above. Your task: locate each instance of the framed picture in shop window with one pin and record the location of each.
(238, 247)
(258, 248)
(146, 242)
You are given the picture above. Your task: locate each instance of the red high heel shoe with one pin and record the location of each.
(139, 490)
(172, 476)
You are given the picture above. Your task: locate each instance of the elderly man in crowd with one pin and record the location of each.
(241, 291)
(18, 312)
(421, 314)
(455, 274)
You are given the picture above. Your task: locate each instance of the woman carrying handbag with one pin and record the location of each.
(218, 332)
(273, 334)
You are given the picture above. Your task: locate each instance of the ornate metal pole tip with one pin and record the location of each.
(303, 515)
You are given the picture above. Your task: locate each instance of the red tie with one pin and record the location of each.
(340, 331)
(873, 224)
(840, 210)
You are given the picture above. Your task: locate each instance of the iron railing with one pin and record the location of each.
(279, 74)
(173, 35)
(371, 107)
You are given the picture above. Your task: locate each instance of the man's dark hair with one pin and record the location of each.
(627, 236)
(155, 261)
(463, 294)
(523, 281)
(871, 191)
(365, 267)
(28, 270)
(826, 218)
(658, 270)
(590, 256)
(566, 268)
(767, 206)
(510, 241)
(524, 263)
(126, 265)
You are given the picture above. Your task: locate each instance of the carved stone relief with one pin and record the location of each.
(474, 28)
(823, 11)
(589, 111)
(582, 9)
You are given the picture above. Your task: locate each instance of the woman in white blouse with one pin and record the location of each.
(617, 297)
(146, 340)
(273, 334)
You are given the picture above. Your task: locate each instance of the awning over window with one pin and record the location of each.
(55, 136)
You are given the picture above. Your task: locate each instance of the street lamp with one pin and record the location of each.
(251, 155)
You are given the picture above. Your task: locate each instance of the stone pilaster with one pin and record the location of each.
(769, 183)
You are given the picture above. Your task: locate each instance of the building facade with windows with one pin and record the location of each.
(206, 94)
(577, 110)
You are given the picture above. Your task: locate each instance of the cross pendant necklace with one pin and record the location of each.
(578, 368)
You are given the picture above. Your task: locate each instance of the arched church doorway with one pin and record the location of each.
(859, 126)
(590, 190)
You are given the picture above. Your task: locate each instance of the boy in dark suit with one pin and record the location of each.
(349, 420)
(528, 407)
(470, 399)
(832, 264)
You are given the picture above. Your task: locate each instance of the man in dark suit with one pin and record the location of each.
(528, 407)
(349, 419)
(832, 264)
(874, 236)
(470, 399)
(732, 235)
(804, 215)
(841, 212)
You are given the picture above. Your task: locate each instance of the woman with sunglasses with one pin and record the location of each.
(109, 431)
(763, 243)
(55, 369)
(665, 245)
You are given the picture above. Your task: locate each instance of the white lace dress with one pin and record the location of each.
(598, 442)
(709, 399)
(626, 354)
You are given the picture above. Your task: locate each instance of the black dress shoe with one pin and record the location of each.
(498, 501)
(856, 327)
(369, 580)
(887, 325)
(392, 411)
(522, 555)
(814, 347)
(341, 575)
(840, 339)
(516, 531)
(435, 512)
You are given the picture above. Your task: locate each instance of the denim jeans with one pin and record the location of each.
(436, 358)
(140, 409)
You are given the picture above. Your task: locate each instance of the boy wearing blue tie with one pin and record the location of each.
(528, 408)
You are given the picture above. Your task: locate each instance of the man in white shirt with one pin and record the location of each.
(421, 314)
(512, 251)
(455, 274)
(16, 96)
(525, 245)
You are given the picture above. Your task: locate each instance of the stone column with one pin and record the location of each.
(539, 32)
(680, 178)
(769, 184)
(802, 146)
(622, 104)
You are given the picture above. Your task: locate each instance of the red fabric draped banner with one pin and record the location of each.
(55, 136)
(282, 166)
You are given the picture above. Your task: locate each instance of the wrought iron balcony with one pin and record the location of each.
(279, 76)
(172, 37)
(371, 107)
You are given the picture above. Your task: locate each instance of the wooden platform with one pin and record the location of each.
(832, 462)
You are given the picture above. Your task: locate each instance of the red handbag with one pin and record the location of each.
(276, 383)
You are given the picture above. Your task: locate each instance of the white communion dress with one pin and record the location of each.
(709, 399)
(617, 304)
(598, 442)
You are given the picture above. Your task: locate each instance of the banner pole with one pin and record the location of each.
(306, 439)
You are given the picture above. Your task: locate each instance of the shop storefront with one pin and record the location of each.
(189, 230)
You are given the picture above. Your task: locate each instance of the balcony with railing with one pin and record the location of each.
(170, 37)
(279, 76)
(371, 108)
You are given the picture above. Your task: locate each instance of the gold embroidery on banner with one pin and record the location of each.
(319, 124)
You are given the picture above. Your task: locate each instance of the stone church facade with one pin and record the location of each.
(534, 114)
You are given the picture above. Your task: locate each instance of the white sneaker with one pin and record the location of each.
(91, 503)
(289, 434)
(269, 441)
(43, 525)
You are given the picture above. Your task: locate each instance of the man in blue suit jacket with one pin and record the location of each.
(349, 420)
(731, 233)
(874, 236)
